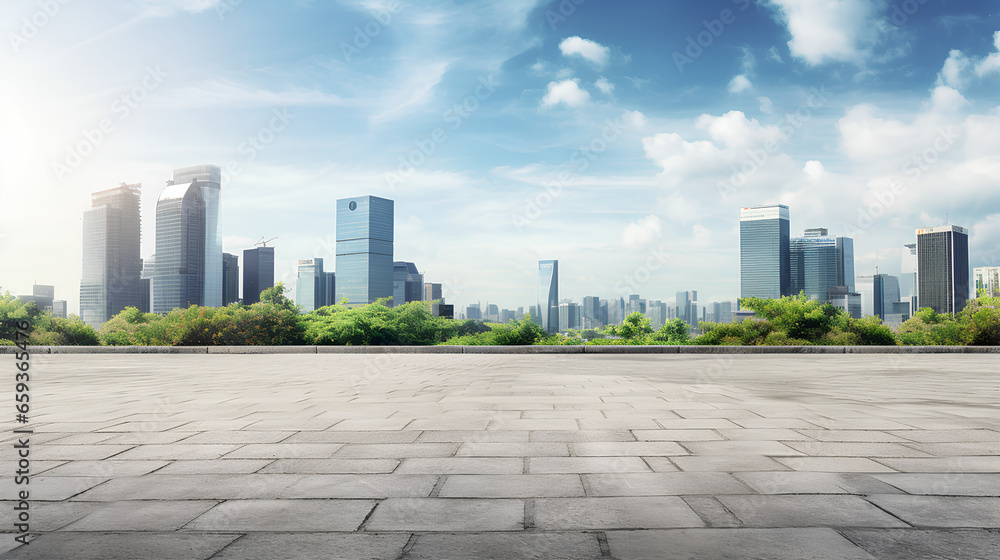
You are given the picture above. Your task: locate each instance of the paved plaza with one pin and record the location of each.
(468, 456)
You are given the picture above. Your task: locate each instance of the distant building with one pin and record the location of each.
(432, 292)
(492, 313)
(474, 313)
(146, 282)
(722, 311)
(569, 316)
(43, 297)
(686, 308)
(908, 276)
(879, 293)
(230, 278)
(548, 295)
(943, 268)
(656, 311)
(765, 269)
(112, 263)
(591, 313)
(258, 273)
(446, 311)
(507, 315)
(813, 261)
(209, 184)
(407, 283)
(364, 249)
(59, 308)
(311, 285)
(848, 301)
(179, 276)
(987, 281)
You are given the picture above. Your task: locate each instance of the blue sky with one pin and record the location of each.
(618, 137)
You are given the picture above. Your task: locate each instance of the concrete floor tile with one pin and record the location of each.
(284, 516)
(944, 484)
(560, 514)
(626, 448)
(677, 435)
(734, 544)
(218, 466)
(949, 436)
(695, 423)
(374, 436)
(727, 463)
(140, 515)
(106, 469)
(447, 514)
(121, 546)
(471, 436)
(740, 448)
(763, 434)
(796, 482)
(190, 487)
(512, 486)
(990, 464)
(143, 438)
(854, 449)
(503, 546)
(580, 435)
(238, 436)
(942, 511)
(808, 511)
(395, 450)
(315, 546)
(871, 436)
(363, 424)
(513, 450)
(982, 448)
(909, 544)
(583, 465)
(284, 451)
(51, 488)
(662, 484)
(177, 452)
(79, 452)
(536, 424)
(461, 465)
(331, 466)
(360, 486)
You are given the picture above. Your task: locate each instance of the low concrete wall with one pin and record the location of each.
(579, 349)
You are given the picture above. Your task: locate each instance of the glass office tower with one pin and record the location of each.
(879, 293)
(814, 264)
(986, 281)
(311, 285)
(407, 283)
(364, 249)
(209, 178)
(230, 278)
(765, 269)
(908, 276)
(112, 265)
(258, 273)
(179, 274)
(548, 295)
(943, 268)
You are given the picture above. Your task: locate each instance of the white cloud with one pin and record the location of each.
(634, 119)
(739, 84)
(567, 92)
(992, 61)
(954, 70)
(165, 8)
(774, 55)
(594, 52)
(766, 105)
(642, 232)
(814, 169)
(829, 30)
(604, 85)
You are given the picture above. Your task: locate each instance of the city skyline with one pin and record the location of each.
(607, 147)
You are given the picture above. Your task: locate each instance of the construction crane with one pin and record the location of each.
(264, 242)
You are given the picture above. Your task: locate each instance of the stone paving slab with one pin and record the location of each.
(511, 456)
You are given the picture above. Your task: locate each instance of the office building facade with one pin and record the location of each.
(765, 269)
(813, 261)
(364, 249)
(314, 287)
(432, 292)
(943, 268)
(208, 180)
(986, 281)
(258, 273)
(548, 295)
(230, 278)
(112, 263)
(407, 283)
(179, 273)
(908, 276)
(879, 295)
(686, 307)
(569, 316)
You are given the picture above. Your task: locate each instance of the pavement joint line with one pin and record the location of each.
(410, 543)
(436, 491)
(362, 528)
(525, 469)
(231, 543)
(602, 542)
(529, 514)
(908, 524)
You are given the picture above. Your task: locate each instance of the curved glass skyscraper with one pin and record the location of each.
(179, 273)
(548, 295)
(209, 179)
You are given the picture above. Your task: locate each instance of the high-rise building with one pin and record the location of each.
(329, 289)
(569, 316)
(848, 301)
(112, 263)
(209, 182)
(59, 308)
(474, 313)
(813, 261)
(432, 292)
(548, 295)
(311, 285)
(364, 249)
(258, 273)
(407, 283)
(908, 276)
(987, 281)
(146, 281)
(943, 268)
(507, 315)
(591, 313)
(230, 278)
(765, 269)
(722, 311)
(179, 276)
(845, 263)
(656, 311)
(879, 294)
(686, 308)
(43, 296)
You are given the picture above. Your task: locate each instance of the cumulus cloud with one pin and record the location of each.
(634, 119)
(567, 92)
(829, 30)
(604, 85)
(594, 52)
(814, 169)
(739, 84)
(642, 232)
(991, 63)
(954, 70)
(766, 105)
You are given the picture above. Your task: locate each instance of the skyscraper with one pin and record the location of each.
(879, 293)
(209, 182)
(407, 283)
(364, 249)
(112, 265)
(548, 295)
(764, 252)
(258, 272)
(432, 292)
(179, 276)
(943, 268)
(569, 316)
(987, 281)
(310, 285)
(686, 308)
(908, 276)
(845, 263)
(813, 261)
(230, 278)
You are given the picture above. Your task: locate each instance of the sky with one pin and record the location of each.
(621, 138)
